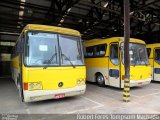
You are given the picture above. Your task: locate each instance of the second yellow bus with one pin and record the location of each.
(104, 62)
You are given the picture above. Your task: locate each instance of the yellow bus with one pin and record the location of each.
(105, 62)
(48, 63)
(153, 51)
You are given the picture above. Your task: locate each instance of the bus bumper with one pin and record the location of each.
(38, 95)
(134, 83)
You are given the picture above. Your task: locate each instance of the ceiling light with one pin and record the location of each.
(106, 5)
(69, 10)
(18, 26)
(62, 20)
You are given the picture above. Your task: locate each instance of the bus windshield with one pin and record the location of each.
(50, 49)
(138, 54)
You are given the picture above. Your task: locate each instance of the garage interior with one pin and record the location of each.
(94, 19)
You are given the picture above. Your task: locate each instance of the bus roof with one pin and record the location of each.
(52, 29)
(154, 45)
(112, 39)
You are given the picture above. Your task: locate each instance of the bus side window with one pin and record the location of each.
(148, 51)
(89, 52)
(114, 54)
(101, 50)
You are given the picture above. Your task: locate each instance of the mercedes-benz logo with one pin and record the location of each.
(60, 84)
(141, 77)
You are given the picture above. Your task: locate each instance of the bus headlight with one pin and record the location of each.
(83, 81)
(35, 86)
(38, 85)
(31, 85)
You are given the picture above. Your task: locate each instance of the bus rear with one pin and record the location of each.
(140, 69)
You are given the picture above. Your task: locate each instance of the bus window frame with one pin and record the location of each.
(149, 53)
(57, 33)
(154, 54)
(95, 56)
(118, 53)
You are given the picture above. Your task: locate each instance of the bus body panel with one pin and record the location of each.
(38, 95)
(156, 76)
(97, 65)
(55, 29)
(139, 75)
(51, 77)
(15, 68)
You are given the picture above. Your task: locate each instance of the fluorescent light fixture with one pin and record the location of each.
(69, 10)
(19, 22)
(106, 5)
(20, 18)
(131, 13)
(87, 22)
(157, 24)
(62, 20)
(21, 12)
(18, 26)
(10, 33)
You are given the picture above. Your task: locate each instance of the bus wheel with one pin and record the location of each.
(20, 92)
(22, 96)
(100, 80)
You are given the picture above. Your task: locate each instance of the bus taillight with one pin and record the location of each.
(123, 77)
(25, 86)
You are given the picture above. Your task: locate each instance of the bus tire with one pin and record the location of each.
(100, 80)
(21, 94)
(20, 91)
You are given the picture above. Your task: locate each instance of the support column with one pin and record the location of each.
(126, 92)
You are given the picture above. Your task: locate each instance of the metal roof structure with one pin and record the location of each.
(93, 18)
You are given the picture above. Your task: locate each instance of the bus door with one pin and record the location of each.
(114, 65)
(156, 64)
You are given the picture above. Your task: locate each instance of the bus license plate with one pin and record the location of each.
(59, 96)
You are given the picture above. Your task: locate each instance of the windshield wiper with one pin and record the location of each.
(50, 60)
(63, 55)
(135, 63)
(145, 62)
(66, 58)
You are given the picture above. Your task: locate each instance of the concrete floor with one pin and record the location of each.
(144, 99)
